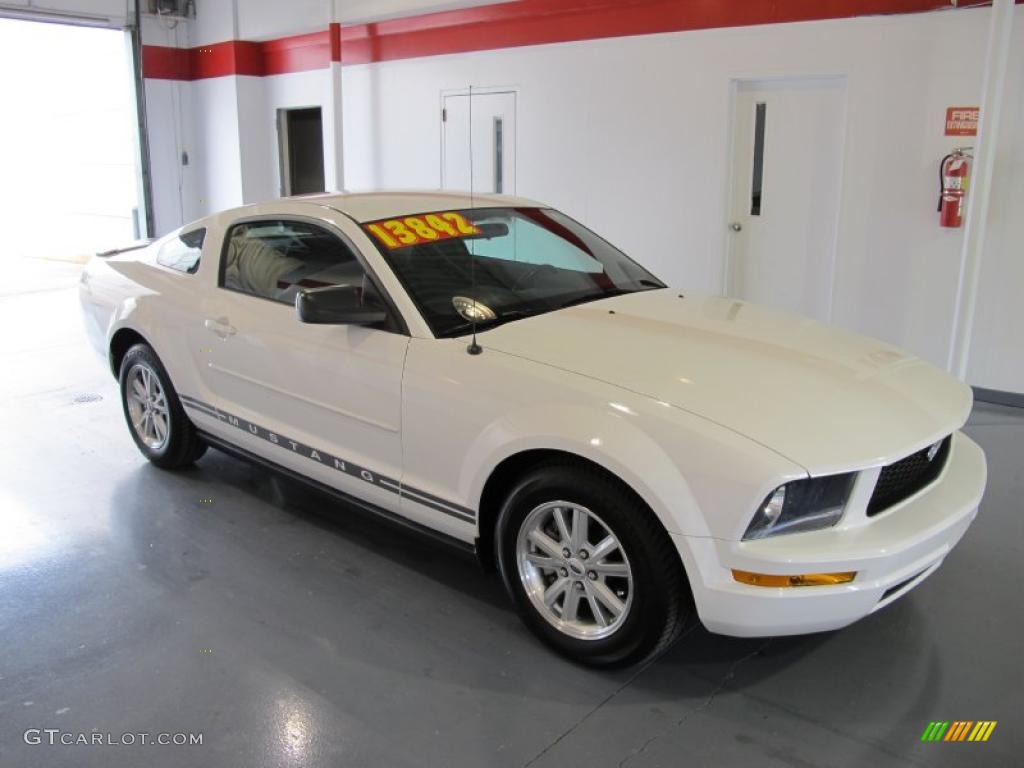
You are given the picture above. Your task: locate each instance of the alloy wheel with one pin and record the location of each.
(147, 406)
(574, 570)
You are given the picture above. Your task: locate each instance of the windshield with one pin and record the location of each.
(523, 261)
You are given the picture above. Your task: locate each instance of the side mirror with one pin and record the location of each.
(336, 305)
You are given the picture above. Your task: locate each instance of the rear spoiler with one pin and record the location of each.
(126, 248)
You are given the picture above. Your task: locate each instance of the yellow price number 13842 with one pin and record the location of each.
(413, 230)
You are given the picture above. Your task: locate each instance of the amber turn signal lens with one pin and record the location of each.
(802, 580)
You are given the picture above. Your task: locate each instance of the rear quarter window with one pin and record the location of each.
(182, 253)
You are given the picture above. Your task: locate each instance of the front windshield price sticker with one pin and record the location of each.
(415, 230)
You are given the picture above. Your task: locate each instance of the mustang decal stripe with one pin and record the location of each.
(189, 403)
(329, 460)
(429, 499)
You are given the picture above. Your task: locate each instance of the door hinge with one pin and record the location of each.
(444, 115)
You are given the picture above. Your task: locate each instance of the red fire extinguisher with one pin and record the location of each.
(954, 174)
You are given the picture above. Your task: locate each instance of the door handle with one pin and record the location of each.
(736, 226)
(220, 326)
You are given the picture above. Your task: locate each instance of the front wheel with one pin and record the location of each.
(589, 567)
(158, 423)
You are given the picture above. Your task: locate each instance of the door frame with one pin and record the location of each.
(477, 91)
(729, 188)
(284, 157)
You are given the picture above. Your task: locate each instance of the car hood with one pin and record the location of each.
(824, 398)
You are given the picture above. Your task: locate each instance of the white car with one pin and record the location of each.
(620, 452)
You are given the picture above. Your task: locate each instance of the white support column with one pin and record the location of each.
(981, 185)
(336, 130)
(337, 156)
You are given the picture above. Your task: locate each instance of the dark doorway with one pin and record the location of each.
(301, 133)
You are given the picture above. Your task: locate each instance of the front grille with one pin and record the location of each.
(906, 477)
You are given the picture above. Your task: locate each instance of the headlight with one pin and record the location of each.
(802, 505)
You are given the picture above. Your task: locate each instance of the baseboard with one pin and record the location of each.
(998, 397)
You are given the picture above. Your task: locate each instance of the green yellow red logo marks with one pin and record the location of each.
(959, 730)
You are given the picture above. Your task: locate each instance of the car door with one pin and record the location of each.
(321, 400)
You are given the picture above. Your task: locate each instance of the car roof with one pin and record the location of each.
(371, 206)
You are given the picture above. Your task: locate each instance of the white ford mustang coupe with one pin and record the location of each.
(620, 452)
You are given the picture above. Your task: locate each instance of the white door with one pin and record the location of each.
(493, 142)
(786, 168)
(322, 400)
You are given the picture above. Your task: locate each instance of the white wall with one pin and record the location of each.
(353, 11)
(253, 129)
(217, 122)
(201, 121)
(217, 145)
(162, 109)
(218, 20)
(631, 135)
(302, 89)
(169, 128)
(260, 20)
(997, 350)
(215, 22)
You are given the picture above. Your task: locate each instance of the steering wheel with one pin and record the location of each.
(529, 276)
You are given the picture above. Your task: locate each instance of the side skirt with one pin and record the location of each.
(363, 506)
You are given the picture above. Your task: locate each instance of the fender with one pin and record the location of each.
(677, 462)
(133, 295)
(599, 436)
(648, 446)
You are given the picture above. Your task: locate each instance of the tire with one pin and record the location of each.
(643, 572)
(156, 420)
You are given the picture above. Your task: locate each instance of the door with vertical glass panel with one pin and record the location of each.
(787, 149)
(480, 135)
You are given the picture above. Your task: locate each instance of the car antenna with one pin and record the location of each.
(473, 348)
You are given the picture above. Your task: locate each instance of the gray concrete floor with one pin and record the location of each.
(290, 631)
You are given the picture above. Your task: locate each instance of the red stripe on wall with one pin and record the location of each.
(299, 53)
(162, 63)
(536, 22)
(239, 57)
(506, 25)
(235, 57)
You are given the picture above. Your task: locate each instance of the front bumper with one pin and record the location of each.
(891, 554)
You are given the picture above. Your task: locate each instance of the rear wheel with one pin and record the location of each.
(590, 569)
(156, 420)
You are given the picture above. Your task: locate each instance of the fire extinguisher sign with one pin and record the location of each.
(962, 121)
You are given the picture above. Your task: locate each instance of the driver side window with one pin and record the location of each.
(275, 259)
